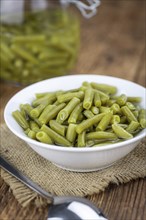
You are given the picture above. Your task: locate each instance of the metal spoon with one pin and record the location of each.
(62, 207)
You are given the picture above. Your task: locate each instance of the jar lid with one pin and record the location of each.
(87, 9)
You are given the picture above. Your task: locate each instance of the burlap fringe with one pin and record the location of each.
(25, 196)
(22, 193)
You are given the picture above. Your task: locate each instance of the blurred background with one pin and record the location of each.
(61, 41)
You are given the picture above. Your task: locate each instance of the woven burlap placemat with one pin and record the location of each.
(59, 181)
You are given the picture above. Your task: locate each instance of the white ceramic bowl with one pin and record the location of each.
(69, 158)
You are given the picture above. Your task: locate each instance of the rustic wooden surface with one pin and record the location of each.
(113, 43)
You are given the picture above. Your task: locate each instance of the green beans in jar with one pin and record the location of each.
(44, 45)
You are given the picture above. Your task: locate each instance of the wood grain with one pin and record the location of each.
(113, 43)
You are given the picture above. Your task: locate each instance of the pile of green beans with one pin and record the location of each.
(46, 44)
(91, 115)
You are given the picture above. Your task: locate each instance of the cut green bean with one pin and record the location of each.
(60, 129)
(34, 126)
(101, 135)
(97, 100)
(43, 137)
(142, 118)
(71, 133)
(30, 38)
(103, 124)
(132, 127)
(50, 112)
(20, 119)
(81, 141)
(133, 99)
(121, 100)
(88, 98)
(66, 97)
(31, 134)
(88, 114)
(94, 110)
(104, 88)
(104, 109)
(121, 132)
(24, 54)
(128, 113)
(66, 111)
(35, 112)
(58, 139)
(46, 100)
(115, 108)
(75, 113)
(84, 125)
(115, 119)
(43, 116)
(27, 108)
(130, 105)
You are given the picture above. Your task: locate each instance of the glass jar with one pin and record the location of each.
(39, 40)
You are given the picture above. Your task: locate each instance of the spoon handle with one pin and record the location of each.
(24, 179)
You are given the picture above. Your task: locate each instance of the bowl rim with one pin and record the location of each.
(140, 135)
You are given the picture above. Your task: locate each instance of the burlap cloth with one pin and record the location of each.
(59, 181)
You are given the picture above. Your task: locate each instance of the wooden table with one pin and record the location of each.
(113, 43)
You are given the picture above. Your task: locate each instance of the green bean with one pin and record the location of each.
(105, 143)
(86, 84)
(80, 117)
(35, 112)
(26, 108)
(50, 112)
(43, 137)
(81, 141)
(103, 124)
(75, 113)
(142, 118)
(24, 54)
(31, 134)
(71, 133)
(115, 119)
(30, 38)
(104, 109)
(88, 98)
(34, 126)
(136, 113)
(104, 88)
(20, 119)
(46, 100)
(103, 97)
(68, 96)
(94, 110)
(110, 102)
(88, 113)
(121, 100)
(123, 119)
(132, 127)
(84, 125)
(42, 94)
(57, 138)
(101, 135)
(133, 99)
(121, 132)
(115, 108)
(66, 111)
(128, 113)
(97, 100)
(18, 63)
(5, 49)
(60, 129)
(130, 105)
